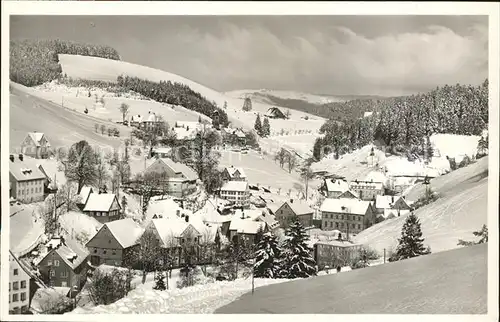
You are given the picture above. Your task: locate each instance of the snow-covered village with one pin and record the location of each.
(135, 189)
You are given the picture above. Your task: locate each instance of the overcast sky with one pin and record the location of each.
(344, 55)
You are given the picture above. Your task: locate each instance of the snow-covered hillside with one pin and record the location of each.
(263, 96)
(461, 209)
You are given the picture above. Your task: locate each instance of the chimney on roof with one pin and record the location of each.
(11, 158)
(178, 212)
(21, 157)
(291, 200)
(186, 218)
(392, 199)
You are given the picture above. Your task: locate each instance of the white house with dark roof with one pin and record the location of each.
(367, 190)
(36, 145)
(19, 285)
(348, 215)
(178, 178)
(104, 207)
(27, 181)
(388, 207)
(235, 191)
(114, 242)
(234, 174)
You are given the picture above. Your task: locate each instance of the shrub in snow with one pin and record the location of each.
(267, 257)
(297, 260)
(363, 258)
(191, 275)
(411, 243)
(159, 282)
(108, 287)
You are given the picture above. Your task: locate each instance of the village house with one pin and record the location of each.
(27, 182)
(335, 253)
(334, 187)
(147, 123)
(245, 224)
(175, 178)
(367, 190)
(234, 174)
(104, 207)
(294, 209)
(234, 136)
(115, 243)
(388, 207)
(275, 113)
(19, 286)
(348, 194)
(160, 153)
(64, 265)
(348, 215)
(83, 196)
(235, 191)
(36, 145)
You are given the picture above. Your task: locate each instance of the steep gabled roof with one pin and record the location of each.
(299, 207)
(25, 170)
(126, 231)
(232, 171)
(100, 202)
(345, 205)
(85, 193)
(37, 138)
(336, 185)
(235, 186)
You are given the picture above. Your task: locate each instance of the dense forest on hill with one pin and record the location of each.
(34, 62)
(405, 123)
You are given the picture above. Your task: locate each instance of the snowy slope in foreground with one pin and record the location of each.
(198, 299)
(455, 215)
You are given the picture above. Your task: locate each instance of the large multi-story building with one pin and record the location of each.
(294, 210)
(27, 181)
(19, 286)
(175, 178)
(236, 191)
(367, 190)
(348, 215)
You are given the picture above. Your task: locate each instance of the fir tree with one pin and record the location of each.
(429, 150)
(258, 125)
(225, 105)
(247, 104)
(482, 234)
(482, 148)
(297, 260)
(124, 205)
(160, 282)
(266, 128)
(411, 243)
(267, 257)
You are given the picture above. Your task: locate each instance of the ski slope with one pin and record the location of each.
(461, 209)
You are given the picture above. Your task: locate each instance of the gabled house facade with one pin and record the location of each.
(367, 190)
(334, 187)
(388, 207)
(27, 182)
(115, 243)
(235, 191)
(178, 179)
(104, 207)
(275, 113)
(65, 264)
(234, 174)
(245, 225)
(294, 209)
(35, 145)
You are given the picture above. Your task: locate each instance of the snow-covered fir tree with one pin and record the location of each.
(266, 127)
(267, 257)
(247, 104)
(411, 243)
(258, 125)
(160, 282)
(297, 260)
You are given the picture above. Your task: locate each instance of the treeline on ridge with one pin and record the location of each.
(34, 62)
(405, 124)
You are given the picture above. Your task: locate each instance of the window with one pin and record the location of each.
(359, 226)
(9, 287)
(64, 284)
(104, 252)
(15, 297)
(56, 262)
(23, 284)
(16, 271)
(49, 263)
(95, 250)
(52, 273)
(64, 274)
(23, 296)
(15, 286)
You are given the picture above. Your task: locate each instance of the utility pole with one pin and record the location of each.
(384, 255)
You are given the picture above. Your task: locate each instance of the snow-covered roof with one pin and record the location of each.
(367, 114)
(37, 138)
(72, 253)
(252, 214)
(162, 150)
(25, 170)
(151, 117)
(346, 194)
(376, 176)
(126, 231)
(165, 208)
(170, 228)
(136, 118)
(235, 186)
(300, 207)
(336, 185)
(391, 213)
(345, 205)
(246, 226)
(179, 168)
(386, 202)
(232, 171)
(85, 193)
(100, 202)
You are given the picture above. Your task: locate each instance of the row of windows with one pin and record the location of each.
(15, 297)
(15, 285)
(55, 263)
(363, 188)
(37, 190)
(343, 217)
(30, 183)
(341, 225)
(224, 192)
(105, 251)
(64, 274)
